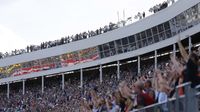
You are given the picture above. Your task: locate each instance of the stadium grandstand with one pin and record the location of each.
(151, 65)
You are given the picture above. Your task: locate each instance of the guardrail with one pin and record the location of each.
(189, 102)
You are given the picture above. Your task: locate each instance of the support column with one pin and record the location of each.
(23, 91)
(155, 58)
(42, 84)
(190, 44)
(174, 50)
(63, 81)
(100, 75)
(139, 70)
(8, 90)
(81, 77)
(118, 70)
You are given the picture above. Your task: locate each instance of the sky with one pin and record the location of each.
(30, 22)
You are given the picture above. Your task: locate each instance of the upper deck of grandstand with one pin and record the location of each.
(67, 39)
(149, 34)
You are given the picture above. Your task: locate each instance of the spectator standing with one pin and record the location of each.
(143, 14)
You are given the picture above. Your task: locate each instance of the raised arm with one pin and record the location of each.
(177, 66)
(183, 52)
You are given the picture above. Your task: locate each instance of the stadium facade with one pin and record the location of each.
(150, 34)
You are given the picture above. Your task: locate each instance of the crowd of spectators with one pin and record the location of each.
(161, 6)
(64, 40)
(56, 100)
(72, 38)
(133, 91)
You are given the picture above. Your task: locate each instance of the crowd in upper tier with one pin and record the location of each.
(161, 6)
(63, 40)
(83, 35)
(133, 91)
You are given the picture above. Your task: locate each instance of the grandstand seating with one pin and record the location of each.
(114, 71)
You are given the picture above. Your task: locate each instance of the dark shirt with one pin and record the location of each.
(192, 73)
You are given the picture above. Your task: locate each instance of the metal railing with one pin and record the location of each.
(189, 102)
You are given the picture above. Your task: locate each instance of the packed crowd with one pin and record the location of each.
(145, 90)
(133, 91)
(56, 100)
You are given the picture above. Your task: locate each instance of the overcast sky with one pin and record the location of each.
(25, 22)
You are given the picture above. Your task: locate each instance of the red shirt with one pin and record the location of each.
(148, 100)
